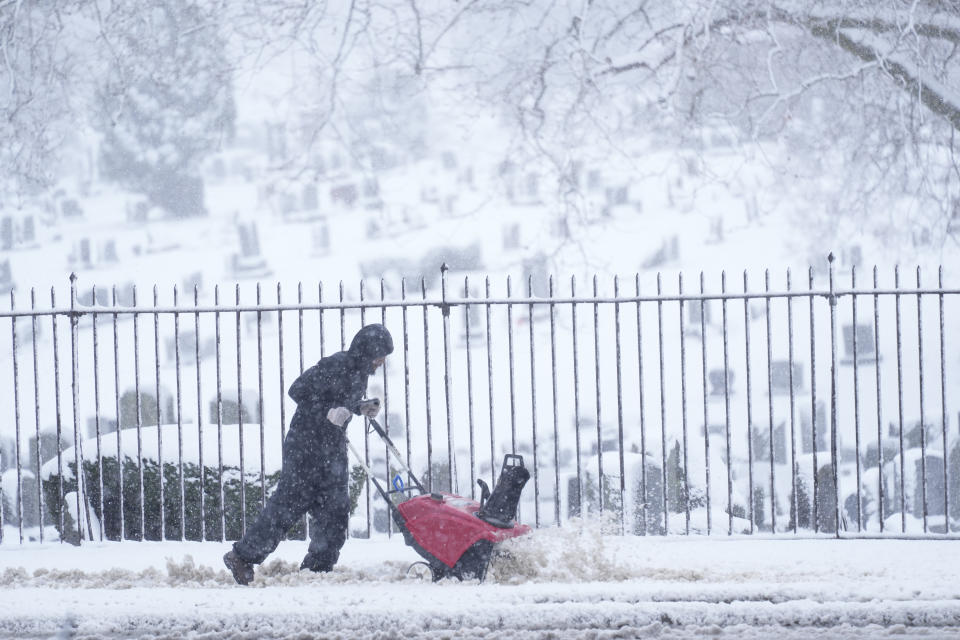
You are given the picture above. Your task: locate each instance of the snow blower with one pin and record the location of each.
(456, 536)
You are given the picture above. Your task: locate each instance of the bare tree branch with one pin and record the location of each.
(830, 28)
(933, 95)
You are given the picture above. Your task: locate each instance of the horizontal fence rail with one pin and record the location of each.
(811, 406)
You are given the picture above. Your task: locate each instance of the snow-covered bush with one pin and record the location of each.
(187, 447)
(118, 506)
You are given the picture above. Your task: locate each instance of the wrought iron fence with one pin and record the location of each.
(814, 408)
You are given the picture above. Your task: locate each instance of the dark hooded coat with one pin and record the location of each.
(314, 477)
(339, 380)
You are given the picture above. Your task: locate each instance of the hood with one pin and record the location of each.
(371, 342)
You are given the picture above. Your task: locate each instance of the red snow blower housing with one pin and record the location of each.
(456, 536)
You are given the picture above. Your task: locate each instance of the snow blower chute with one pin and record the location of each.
(456, 536)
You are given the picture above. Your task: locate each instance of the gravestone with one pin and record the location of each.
(249, 239)
(249, 263)
(28, 230)
(320, 234)
(310, 198)
(71, 208)
(697, 311)
(780, 372)
(718, 387)
(6, 276)
(228, 404)
(345, 194)
(511, 236)
(109, 254)
(935, 489)
(865, 343)
(6, 233)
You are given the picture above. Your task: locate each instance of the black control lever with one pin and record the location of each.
(484, 492)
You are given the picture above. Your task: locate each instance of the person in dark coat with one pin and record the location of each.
(314, 478)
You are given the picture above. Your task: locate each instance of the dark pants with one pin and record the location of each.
(313, 480)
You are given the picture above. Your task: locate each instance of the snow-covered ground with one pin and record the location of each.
(575, 582)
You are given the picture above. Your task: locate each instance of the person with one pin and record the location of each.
(314, 477)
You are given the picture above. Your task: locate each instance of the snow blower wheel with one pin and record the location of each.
(421, 571)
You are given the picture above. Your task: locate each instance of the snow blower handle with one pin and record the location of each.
(396, 453)
(370, 407)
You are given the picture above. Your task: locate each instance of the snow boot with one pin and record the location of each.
(316, 563)
(241, 569)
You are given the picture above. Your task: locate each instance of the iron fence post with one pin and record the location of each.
(470, 423)
(176, 348)
(856, 398)
(159, 423)
(794, 469)
(726, 400)
(447, 382)
(59, 416)
(683, 407)
(903, 493)
(770, 434)
(83, 513)
(663, 411)
(746, 342)
(923, 425)
(96, 412)
(18, 498)
(200, 465)
(426, 384)
(36, 409)
(706, 420)
(943, 409)
(835, 462)
(596, 372)
(116, 407)
(876, 344)
(556, 423)
(240, 429)
(619, 366)
(533, 404)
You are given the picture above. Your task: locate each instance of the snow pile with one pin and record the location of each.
(579, 552)
(185, 572)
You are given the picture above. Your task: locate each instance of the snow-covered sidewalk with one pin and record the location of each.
(563, 584)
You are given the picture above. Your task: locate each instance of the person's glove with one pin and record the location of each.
(339, 416)
(370, 408)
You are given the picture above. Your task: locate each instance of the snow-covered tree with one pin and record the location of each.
(166, 100)
(35, 100)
